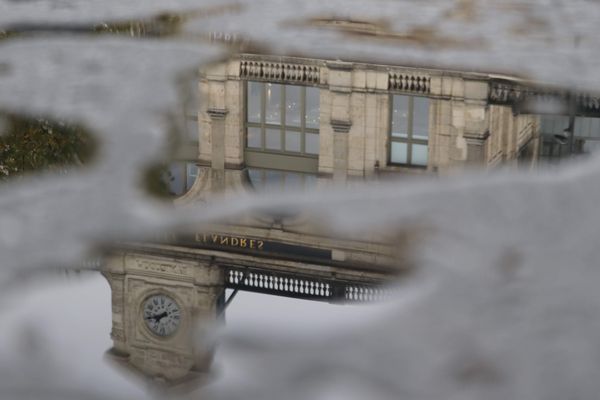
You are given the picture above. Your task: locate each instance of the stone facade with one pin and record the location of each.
(464, 128)
(195, 285)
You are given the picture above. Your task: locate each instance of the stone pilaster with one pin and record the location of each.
(476, 148)
(340, 86)
(217, 166)
(340, 150)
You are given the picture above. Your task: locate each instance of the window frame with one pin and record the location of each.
(282, 127)
(409, 140)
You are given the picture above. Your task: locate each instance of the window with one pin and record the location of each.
(282, 119)
(409, 130)
(586, 136)
(180, 177)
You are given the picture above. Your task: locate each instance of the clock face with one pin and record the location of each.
(161, 314)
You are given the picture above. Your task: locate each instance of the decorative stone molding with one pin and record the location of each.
(117, 334)
(341, 126)
(217, 113)
(277, 71)
(514, 93)
(476, 138)
(340, 65)
(407, 82)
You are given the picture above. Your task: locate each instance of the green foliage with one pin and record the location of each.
(35, 144)
(156, 181)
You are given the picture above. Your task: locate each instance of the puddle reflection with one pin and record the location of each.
(36, 144)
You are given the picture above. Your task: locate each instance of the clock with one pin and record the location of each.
(161, 314)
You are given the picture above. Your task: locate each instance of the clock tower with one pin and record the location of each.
(161, 309)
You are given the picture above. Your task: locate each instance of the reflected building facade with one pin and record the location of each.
(342, 121)
(282, 123)
(269, 121)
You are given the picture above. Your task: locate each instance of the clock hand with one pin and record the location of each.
(160, 316)
(157, 317)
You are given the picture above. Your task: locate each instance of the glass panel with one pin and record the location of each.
(546, 124)
(273, 179)
(192, 174)
(587, 127)
(398, 154)
(254, 102)
(293, 181)
(311, 143)
(419, 154)
(254, 138)
(273, 103)
(590, 146)
(595, 127)
(400, 116)
(256, 178)
(420, 117)
(273, 137)
(310, 181)
(560, 124)
(293, 105)
(292, 141)
(175, 178)
(582, 126)
(312, 108)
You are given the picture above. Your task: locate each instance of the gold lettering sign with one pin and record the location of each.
(229, 241)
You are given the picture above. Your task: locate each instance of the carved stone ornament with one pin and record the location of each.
(341, 126)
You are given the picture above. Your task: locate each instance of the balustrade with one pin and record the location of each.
(298, 286)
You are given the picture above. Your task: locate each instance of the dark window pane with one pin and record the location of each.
(273, 103)
(420, 118)
(312, 108)
(293, 105)
(312, 143)
(400, 116)
(292, 141)
(254, 102)
(254, 137)
(273, 138)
